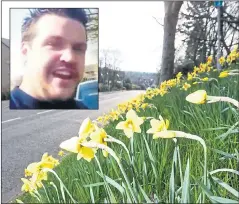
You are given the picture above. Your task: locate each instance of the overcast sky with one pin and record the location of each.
(126, 26)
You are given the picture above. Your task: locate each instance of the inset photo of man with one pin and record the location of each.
(57, 59)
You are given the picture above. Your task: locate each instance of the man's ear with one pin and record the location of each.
(24, 51)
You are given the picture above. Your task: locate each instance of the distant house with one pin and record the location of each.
(91, 72)
(5, 67)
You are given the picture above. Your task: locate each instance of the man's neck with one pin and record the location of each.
(29, 90)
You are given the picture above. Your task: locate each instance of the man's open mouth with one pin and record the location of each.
(64, 74)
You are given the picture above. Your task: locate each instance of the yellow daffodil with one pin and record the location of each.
(32, 168)
(162, 91)
(27, 186)
(196, 69)
(144, 105)
(61, 153)
(27, 173)
(222, 60)
(114, 115)
(74, 145)
(98, 136)
(149, 96)
(179, 75)
(205, 79)
(122, 108)
(224, 74)
(209, 68)
(190, 76)
(99, 119)
(195, 82)
(209, 60)
(157, 126)
(202, 68)
(38, 177)
(186, 86)
(229, 59)
(48, 161)
(198, 97)
(131, 125)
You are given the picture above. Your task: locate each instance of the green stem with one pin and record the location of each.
(112, 153)
(55, 174)
(213, 99)
(112, 139)
(132, 150)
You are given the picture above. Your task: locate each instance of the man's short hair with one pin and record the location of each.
(28, 33)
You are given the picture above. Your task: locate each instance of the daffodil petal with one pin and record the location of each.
(33, 167)
(140, 120)
(128, 132)
(150, 131)
(79, 156)
(155, 124)
(137, 129)
(164, 134)
(131, 115)
(95, 136)
(71, 145)
(120, 125)
(84, 125)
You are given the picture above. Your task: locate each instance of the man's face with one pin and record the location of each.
(56, 57)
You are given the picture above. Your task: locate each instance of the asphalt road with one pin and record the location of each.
(27, 134)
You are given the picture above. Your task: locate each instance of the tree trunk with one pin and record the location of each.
(171, 10)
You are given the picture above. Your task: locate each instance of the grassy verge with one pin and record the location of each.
(160, 170)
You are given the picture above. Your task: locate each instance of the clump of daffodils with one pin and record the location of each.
(89, 132)
(36, 172)
(233, 56)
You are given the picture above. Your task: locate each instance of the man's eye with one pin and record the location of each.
(54, 44)
(79, 49)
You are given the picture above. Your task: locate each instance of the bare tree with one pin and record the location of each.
(171, 9)
(198, 23)
(93, 24)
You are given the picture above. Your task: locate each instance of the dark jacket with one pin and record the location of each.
(21, 100)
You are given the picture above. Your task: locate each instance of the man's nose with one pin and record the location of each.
(68, 55)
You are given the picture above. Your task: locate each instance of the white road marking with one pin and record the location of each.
(11, 120)
(44, 112)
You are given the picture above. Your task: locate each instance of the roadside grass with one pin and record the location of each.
(161, 170)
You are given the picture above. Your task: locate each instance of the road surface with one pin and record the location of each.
(27, 134)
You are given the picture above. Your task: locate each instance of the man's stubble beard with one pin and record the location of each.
(49, 91)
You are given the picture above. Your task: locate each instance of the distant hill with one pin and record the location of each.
(136, 76)
(146, 79)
